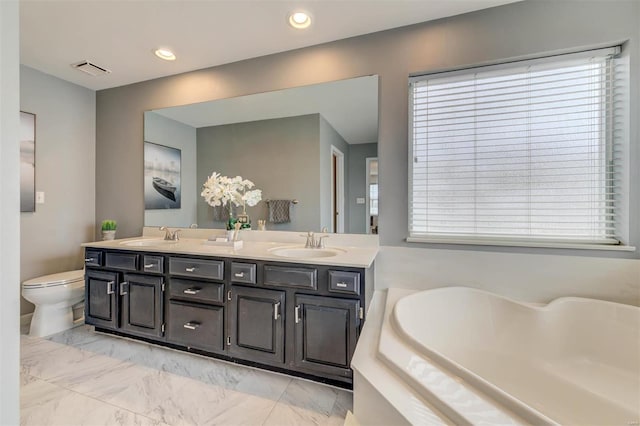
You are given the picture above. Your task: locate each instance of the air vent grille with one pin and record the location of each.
(91, 69)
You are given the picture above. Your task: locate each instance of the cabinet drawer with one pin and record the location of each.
(344, 282)
(153, 263)
(291, 276)
(93, 258)
(124, 261)
(243, 272)
(196, 291)
(212, 269)
(199, 327)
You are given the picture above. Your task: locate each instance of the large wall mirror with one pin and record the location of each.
(314, 147)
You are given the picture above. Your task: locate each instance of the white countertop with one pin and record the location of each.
(357, 255)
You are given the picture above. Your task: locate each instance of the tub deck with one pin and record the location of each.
(574, 361)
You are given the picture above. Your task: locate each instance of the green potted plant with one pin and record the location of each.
(109, 229)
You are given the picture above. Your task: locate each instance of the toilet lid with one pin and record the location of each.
(55, 279)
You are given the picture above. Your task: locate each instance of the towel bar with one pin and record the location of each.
(293, 201)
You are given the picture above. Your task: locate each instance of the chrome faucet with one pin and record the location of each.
(170, 235)
(313, 242)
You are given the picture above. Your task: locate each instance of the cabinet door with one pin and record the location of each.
(326, 332)
(142, 304)
(101, 301)
(256, 324)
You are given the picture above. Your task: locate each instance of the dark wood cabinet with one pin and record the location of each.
(304, 319)
(326, 332)
(196, 304)
(101, 300)
(124, 301)
(142, 304)
(256, 324)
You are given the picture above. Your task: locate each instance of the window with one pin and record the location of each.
(521, 152)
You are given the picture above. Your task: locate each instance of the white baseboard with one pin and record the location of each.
(26, 319)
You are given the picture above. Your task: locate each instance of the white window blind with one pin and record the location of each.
(525, 151)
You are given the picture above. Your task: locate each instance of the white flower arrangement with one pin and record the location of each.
(222, 190)
(251, 198)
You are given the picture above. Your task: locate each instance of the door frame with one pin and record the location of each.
(337, 190)
(367, 174)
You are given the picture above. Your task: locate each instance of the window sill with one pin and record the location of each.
(534, 244)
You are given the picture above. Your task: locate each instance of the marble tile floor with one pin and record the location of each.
(80, 377)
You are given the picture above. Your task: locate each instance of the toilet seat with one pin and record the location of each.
(62, 278)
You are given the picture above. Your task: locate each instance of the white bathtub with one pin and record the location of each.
(573, 361)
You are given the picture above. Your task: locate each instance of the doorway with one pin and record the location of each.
(337, 190)
(372, 195)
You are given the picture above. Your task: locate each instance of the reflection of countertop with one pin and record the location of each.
(358, 254)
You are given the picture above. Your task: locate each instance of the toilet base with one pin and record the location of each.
(51, 319)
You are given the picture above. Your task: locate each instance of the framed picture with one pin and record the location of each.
(27, 162)
(162, 187)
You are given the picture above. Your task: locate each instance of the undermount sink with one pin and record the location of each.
(147, 242)
(305, 253)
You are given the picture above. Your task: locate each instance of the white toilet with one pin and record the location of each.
(54, 295)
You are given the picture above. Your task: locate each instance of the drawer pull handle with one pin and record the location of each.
(89, 259)
(149, 265)
(192, 269)
(276, 311)
(123, 285)
(341, 285)
(192, 290)
(297, 314)
(191, 325)
(239, 274)
(110, 287)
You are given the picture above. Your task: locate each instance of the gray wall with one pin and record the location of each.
(165, 131)
(328, 138)
(279, 156)
(516, 30)
(9, 214)
(65, 171)
(358, 154)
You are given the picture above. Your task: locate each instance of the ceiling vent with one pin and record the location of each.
(91, 69)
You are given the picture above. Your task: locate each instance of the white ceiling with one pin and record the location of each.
(351, 106)
(121, 34)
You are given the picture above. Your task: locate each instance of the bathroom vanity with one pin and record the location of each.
(299, 315)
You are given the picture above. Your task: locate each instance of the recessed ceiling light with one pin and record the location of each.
(299, 20)
(165, 54)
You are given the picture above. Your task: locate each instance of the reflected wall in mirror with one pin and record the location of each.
(315, 144)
